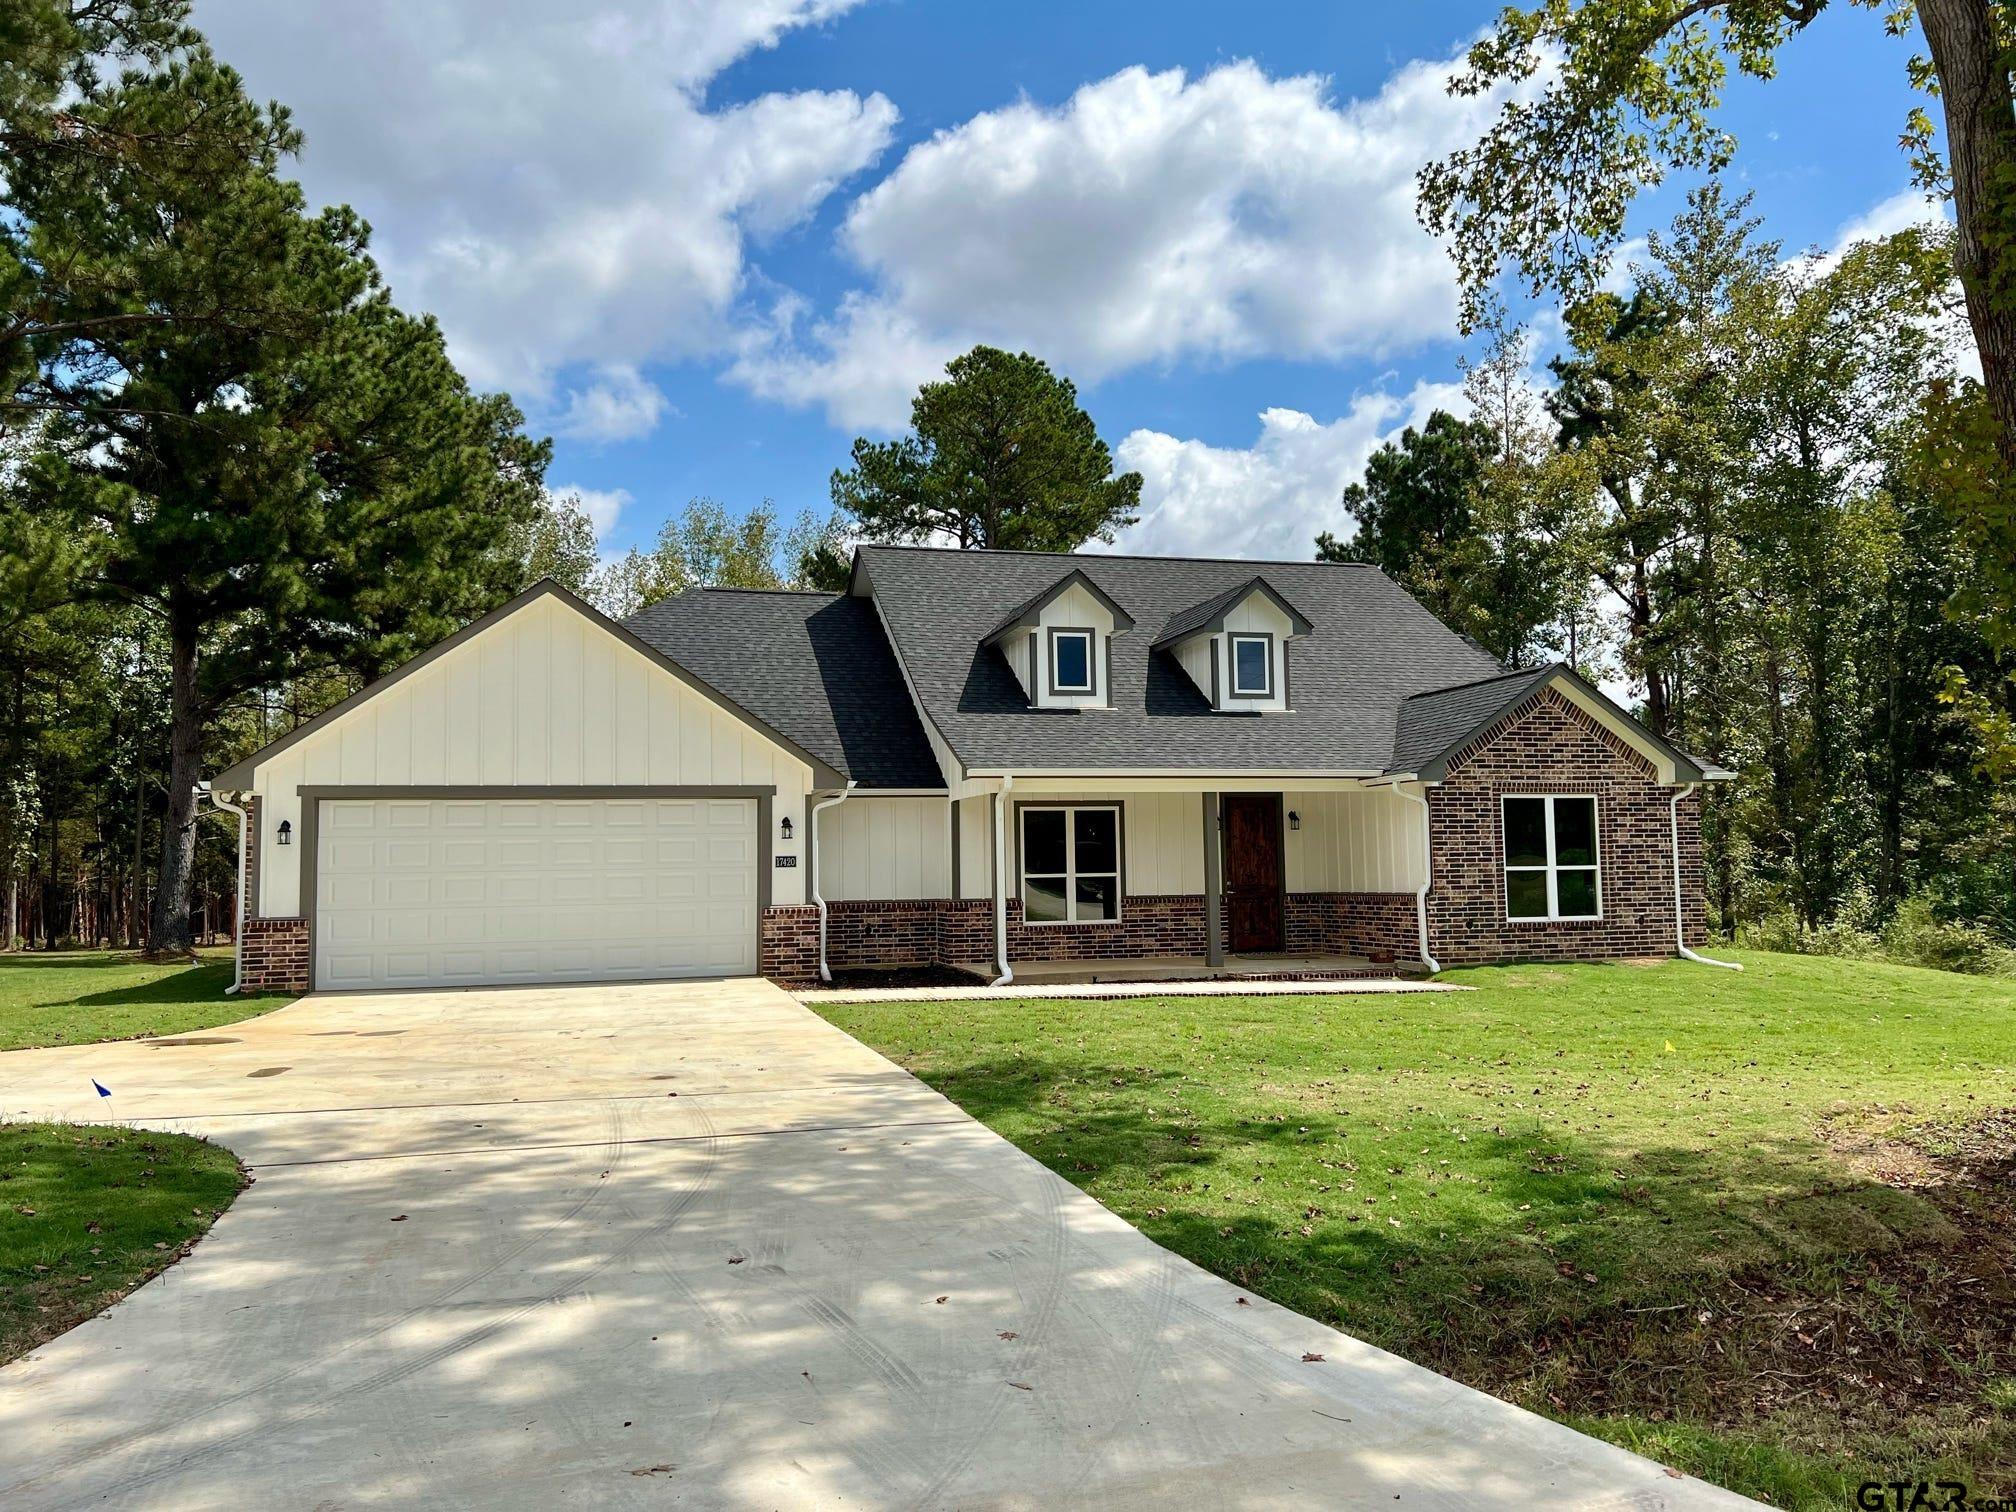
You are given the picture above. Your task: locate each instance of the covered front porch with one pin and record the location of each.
(1065, 879)
(1283, 966)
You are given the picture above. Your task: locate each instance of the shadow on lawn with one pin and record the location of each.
(190, 984)
(1723, 1284)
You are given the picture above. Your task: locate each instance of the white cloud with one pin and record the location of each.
(1150, 218)
(601, 505)
(1270, 499)
(620, 405)
(549, 180)
(1900, 212)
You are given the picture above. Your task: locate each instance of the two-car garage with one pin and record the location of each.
(413, 892)
(543, 797)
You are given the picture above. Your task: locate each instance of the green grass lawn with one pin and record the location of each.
(88, 1212)
(72, 997)
(1759, 1226)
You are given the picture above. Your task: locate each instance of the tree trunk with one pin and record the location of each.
(1980, 123)
(168, 933)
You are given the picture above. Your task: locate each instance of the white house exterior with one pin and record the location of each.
(968, 760)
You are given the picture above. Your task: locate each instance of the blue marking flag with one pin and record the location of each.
(102, 1091)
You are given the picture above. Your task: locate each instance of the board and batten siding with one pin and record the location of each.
(885, 848)
(1350, 841)
(1363, 841)
(542, 698)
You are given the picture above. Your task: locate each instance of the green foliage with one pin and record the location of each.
(226, 428)
(999, 454)
(558, 542)
(703, 547)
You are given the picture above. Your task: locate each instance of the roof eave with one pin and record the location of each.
(238, 776)
(1685, 768)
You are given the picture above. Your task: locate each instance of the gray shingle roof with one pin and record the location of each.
(815, 666)
(1024, 614)
(1431, 724)
(1370, 647)
(1211, 613)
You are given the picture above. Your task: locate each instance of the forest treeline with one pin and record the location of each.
(1728, 491)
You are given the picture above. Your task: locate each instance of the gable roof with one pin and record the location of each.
(815, 665)
(1209, 616)
(1434, 727)
(239, 774)
(1023, 616)
(1369, 647)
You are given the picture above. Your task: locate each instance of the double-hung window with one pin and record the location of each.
(1552, 870)
(1070, 863)
(1071, 661)
(1252, 666)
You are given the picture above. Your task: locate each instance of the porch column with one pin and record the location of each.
(1214, 924)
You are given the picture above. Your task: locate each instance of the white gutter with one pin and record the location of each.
(825, 971)
(1427, 875)
(238, 925)
(1001, 883)
(1679, 901)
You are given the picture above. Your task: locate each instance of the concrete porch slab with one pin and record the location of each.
(1215, 987)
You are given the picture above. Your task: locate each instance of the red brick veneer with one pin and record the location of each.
(273, 953)
(787, 944)
(1354, 924)
(273, 956)
(1548, 745)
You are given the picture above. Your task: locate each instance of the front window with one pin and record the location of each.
(1252, 666)
(1070, 864)
(1070, 661)
(1552, 869)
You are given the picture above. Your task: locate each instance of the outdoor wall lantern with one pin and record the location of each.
(785, 827)
(286, 836)
(1294, 820)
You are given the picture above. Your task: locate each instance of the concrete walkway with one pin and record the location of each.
(639, 1245)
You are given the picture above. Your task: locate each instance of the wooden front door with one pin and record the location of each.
(1254, 902)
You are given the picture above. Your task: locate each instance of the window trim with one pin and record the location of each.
(1070, 873)
(1057, 689)
(1553, 867)
(1232, 640)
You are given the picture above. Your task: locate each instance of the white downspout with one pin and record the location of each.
(238, 926)
(1001, 883)
(1427, 875)
(825, 971)
(1679, 899)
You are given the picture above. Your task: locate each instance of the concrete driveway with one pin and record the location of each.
(649, 1244)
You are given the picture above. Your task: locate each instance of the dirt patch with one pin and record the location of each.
(1916, 1327)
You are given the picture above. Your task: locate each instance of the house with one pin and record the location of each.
(981, 758)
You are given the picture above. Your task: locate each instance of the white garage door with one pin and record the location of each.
(446, 892)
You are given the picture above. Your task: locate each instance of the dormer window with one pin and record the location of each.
(1252, 666)
(1235, 647)
(1071, 661)
(1059, 644)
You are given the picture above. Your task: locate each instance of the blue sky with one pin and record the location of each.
(706, 243)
